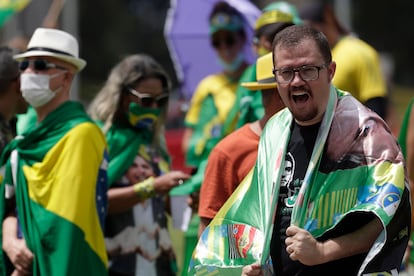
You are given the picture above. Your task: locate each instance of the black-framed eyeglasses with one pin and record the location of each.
(39, 65)
(148, 100)
(306, 73)
(228, 40)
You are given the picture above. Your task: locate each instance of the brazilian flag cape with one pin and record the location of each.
(363, 172)
(124, 144)
(58, 176)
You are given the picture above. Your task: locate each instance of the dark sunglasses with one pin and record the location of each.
(38, 65)
(228, 40)
(148, 100)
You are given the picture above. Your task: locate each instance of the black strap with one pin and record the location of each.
(48, 50)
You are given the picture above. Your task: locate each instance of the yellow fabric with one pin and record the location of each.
(223, 92)
(65, 181)
(358, 69)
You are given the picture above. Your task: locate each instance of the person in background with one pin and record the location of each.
(145, 237)
(406, 140)
(210, 105)
(131, 109)
(359, 69)
(11, 100)
(235, 155)
(53, 202)
(215, 94)
(248, 104)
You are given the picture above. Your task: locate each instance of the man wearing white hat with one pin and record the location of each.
(55, 172)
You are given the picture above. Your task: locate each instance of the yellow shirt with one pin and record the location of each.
(358, 69)
(209, 107)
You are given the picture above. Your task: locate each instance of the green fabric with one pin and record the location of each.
(205, 135)
(26, 121)
(209, 108)
(51, 129)
(190, 239)
(248, 106)
(49, 236)
(402, 139)
(8, 8)
(240, 233)
(123, 144)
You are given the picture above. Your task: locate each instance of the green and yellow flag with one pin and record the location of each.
(362, 171)
(10, 7)
(57, 174)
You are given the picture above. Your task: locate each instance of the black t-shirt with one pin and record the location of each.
(298, 155)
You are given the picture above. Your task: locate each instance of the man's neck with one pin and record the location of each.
(44, 110)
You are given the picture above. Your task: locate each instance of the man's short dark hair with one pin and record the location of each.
(294, 35)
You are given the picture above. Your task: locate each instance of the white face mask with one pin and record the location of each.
(35, 88)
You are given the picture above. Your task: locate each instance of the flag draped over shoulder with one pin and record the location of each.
(124, 143)
(362, 171)
(10, 7)
(57, 171)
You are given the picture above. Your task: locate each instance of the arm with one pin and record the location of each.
(303, 247)
(204, 222)
(122, 199)
(188, 132)
(15, 248)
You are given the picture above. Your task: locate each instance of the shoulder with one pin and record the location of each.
(211, 81)
(349, 106)
(351, 45)
(242, 136)
(86, 132)
(354, 125)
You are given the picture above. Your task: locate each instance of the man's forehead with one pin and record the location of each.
(303, 51)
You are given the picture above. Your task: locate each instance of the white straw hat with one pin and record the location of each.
(54, 43)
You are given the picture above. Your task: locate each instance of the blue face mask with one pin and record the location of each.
(142, 118)
(234, 65)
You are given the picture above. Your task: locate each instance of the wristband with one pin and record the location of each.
(145, 189)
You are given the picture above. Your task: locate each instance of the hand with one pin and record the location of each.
(19, 273)
(20, 256)
(252, 270)
(303, 247)
(166, 182)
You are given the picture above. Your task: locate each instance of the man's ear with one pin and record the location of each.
(331, 70)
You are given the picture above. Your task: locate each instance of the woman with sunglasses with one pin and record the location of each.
(131, 109)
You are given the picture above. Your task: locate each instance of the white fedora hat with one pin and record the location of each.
(53, 43)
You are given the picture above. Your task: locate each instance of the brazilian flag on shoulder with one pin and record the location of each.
(57, 175)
